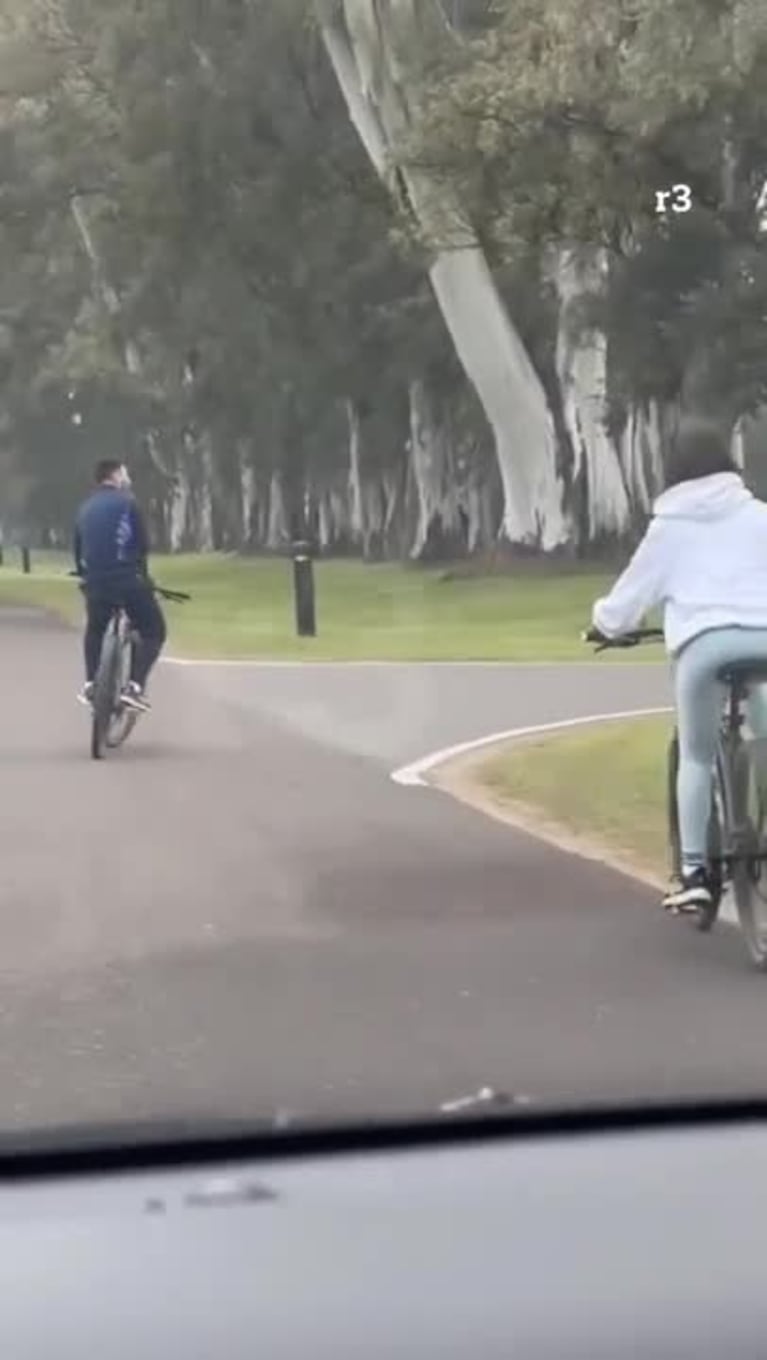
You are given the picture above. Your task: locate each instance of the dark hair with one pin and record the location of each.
(700, 449)
(106, 468)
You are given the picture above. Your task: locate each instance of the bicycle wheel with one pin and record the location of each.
(749, 833)
(705, 917)
(104, 690)
(123, 720)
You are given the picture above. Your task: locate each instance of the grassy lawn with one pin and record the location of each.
(605, 782)
(244, 608)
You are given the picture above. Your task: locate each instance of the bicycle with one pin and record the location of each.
(737, 830)
(112, 721)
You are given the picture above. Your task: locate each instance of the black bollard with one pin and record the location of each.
(26, 566)
(303, 588)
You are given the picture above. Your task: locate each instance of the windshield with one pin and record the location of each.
(358, 360)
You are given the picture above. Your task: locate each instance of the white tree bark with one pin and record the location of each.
(738, 447)
(482, 517)
(247, 490)
(367, 501)
(355, 475)
(397, 531)
(334, 519)
(179, 513)
(278, 529)
(205, 536)
(639, 450)
(367, 42)
(433, 475)
(581, 361)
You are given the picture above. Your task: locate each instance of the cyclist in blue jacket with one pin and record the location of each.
(111, 548)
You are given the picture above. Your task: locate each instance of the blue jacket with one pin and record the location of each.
(110, 542)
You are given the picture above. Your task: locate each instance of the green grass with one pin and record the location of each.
(243, 607)
(606, 782)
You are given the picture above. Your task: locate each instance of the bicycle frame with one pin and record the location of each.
(730, 746)
(107, 687)
(736, 847)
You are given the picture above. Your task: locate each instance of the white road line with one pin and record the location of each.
(413, 774)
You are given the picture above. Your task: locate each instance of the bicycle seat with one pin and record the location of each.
(751, 670)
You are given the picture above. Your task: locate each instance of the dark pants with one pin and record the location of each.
(146, 616)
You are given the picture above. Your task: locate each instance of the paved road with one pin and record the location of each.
(242, 913)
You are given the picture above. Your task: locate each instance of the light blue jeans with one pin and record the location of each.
(698, 697)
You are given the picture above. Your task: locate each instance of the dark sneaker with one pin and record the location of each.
(692, 892)
(134, 697)
(86, 694)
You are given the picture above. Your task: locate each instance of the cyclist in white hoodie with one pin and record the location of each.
(704, 560)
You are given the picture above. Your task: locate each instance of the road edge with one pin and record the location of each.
(459, 778)
(454, 771)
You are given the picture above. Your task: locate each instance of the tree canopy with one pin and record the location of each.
(203, 264)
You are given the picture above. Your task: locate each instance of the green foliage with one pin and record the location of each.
(241, 272)
(561, 124)
(234, 217)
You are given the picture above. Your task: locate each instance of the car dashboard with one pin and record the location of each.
(494, 1240)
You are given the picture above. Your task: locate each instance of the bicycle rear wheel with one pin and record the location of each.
(749, 832)
(104, 690)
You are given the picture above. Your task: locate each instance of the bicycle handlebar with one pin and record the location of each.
(632, 639)
(176, 596)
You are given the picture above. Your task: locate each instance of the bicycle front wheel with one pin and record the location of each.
(749, 831)
(123, 719)
(104, 690)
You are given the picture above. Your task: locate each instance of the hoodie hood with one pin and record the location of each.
(704, 498)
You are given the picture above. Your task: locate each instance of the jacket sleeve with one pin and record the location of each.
(639, 589)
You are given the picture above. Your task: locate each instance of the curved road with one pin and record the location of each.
(241, 913)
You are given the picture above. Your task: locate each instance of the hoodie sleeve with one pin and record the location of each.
(639, 589)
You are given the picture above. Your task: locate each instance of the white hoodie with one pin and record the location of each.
(703, 557)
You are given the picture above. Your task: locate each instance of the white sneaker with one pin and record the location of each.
(134, 697)
(692, 892)
(85, 695)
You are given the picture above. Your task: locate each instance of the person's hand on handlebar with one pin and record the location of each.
(602, 642)
(630, 639)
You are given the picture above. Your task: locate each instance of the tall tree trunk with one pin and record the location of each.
(179, 513)
(205, 526)
(640, 449)
(440, 531)
(356, 499)
(278, 526)
(581, 361)
(366, 42)
(367, 504)
(247, 493)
